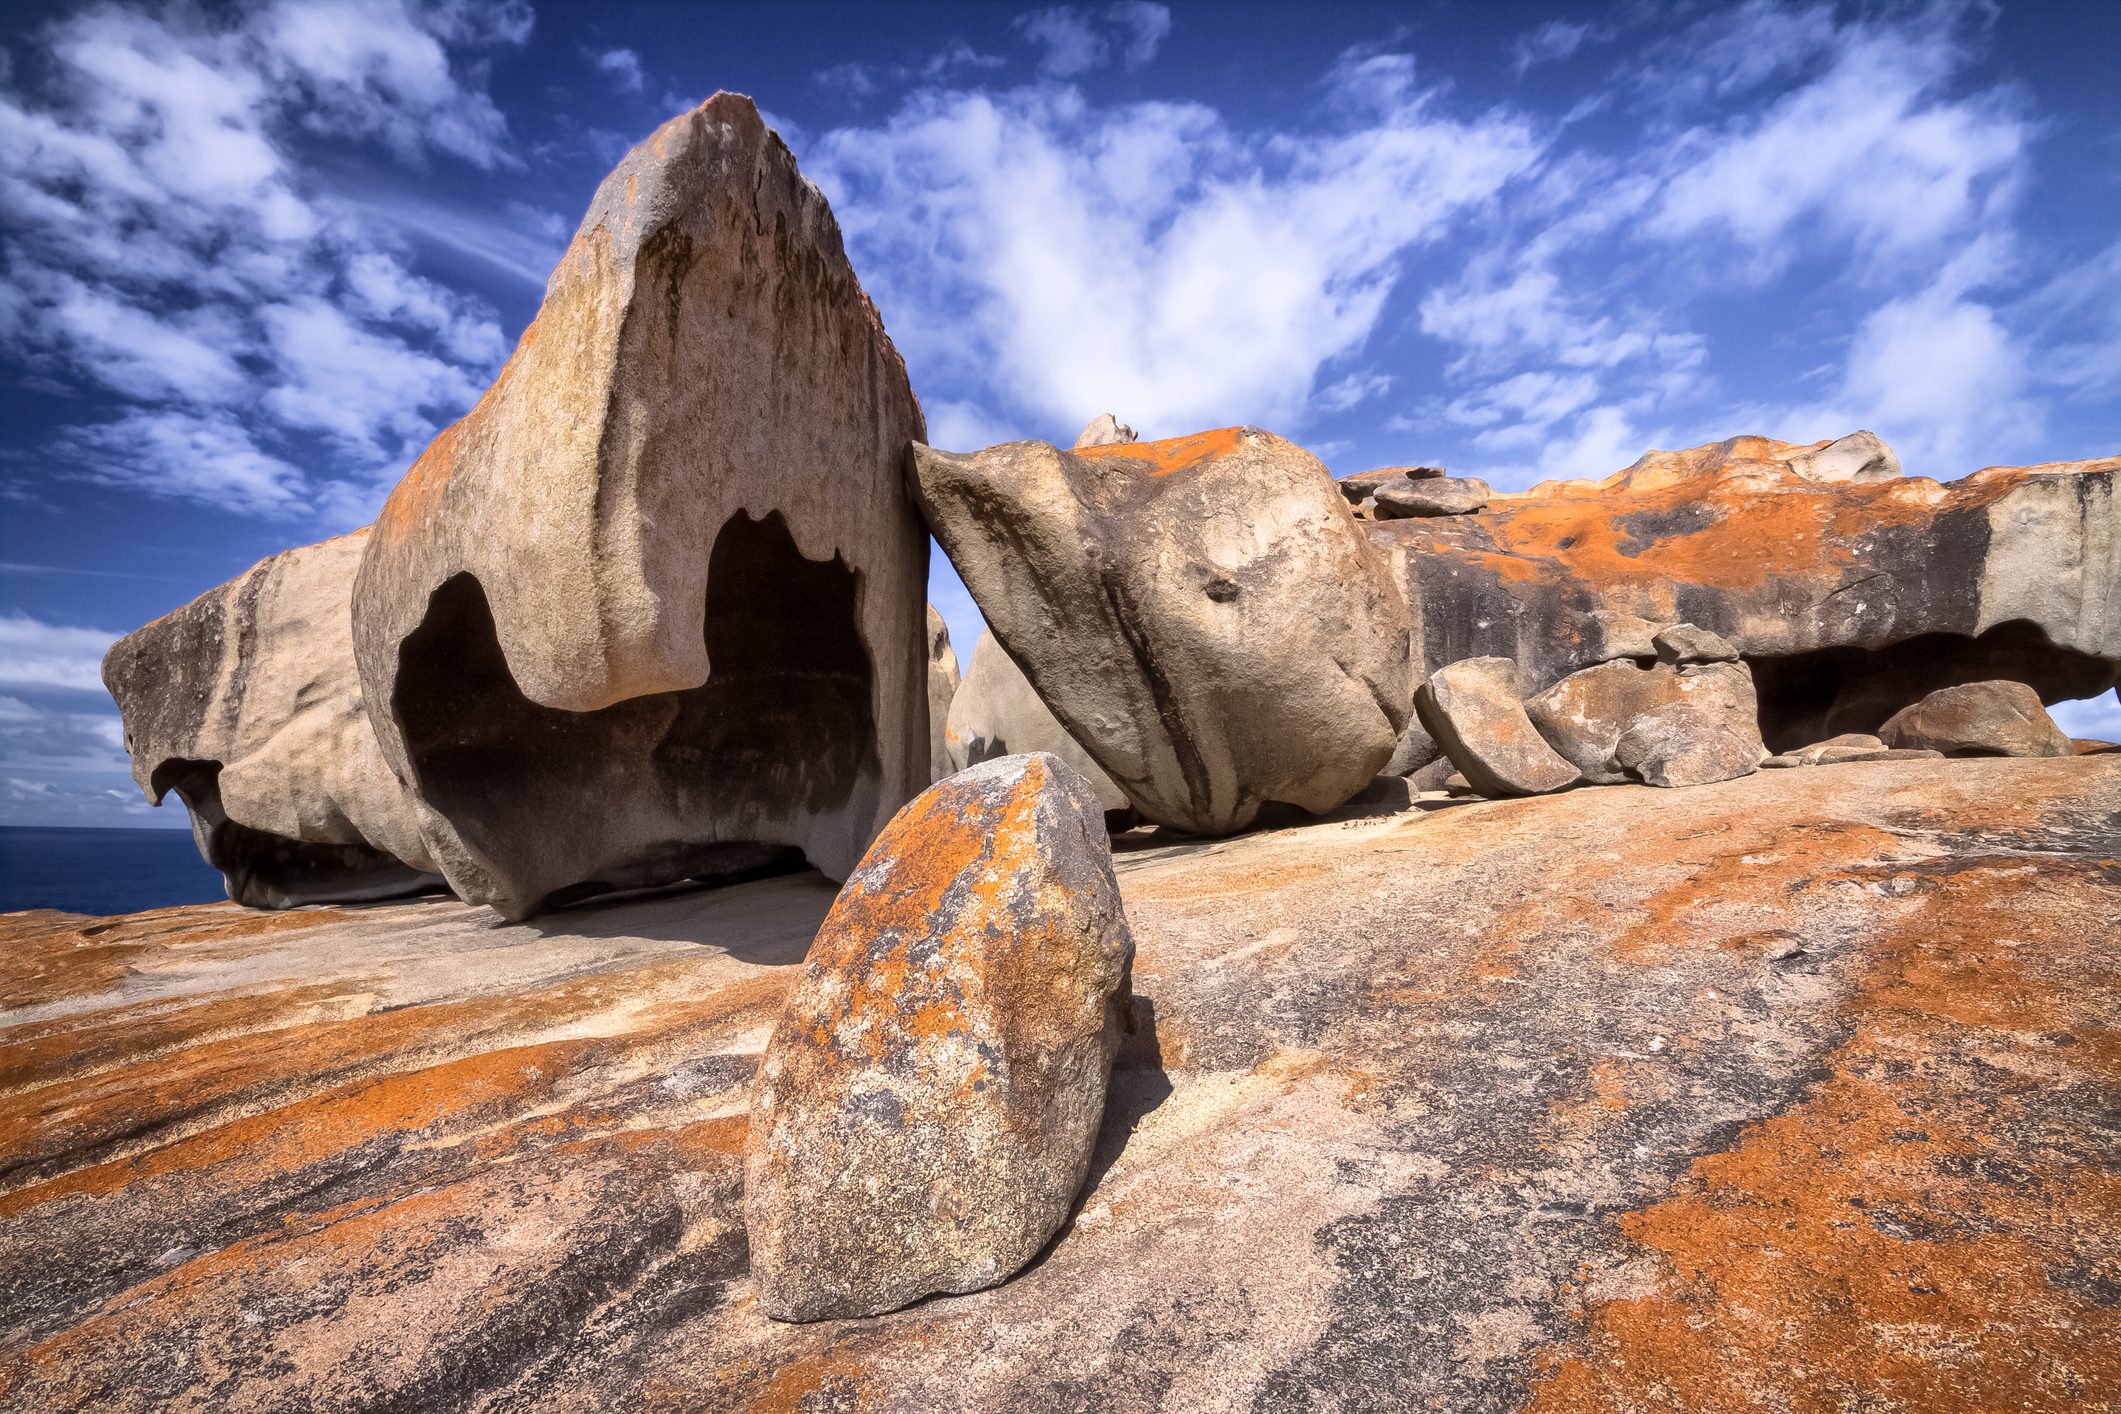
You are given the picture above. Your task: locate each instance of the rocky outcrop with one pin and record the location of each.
(1850, 591)
(1584, 716)
(997, 712)
(1978, 719)
(1701, 1099)
(247, 704)
(1432, 496)
(1475, 713)
(1104, 430)
(1202, 614)
(926, 1107)
(942, 688)
(652, 609)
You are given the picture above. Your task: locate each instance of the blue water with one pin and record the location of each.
(102, 871)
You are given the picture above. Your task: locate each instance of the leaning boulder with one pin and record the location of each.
(652, 610)
(1979, 719)
(926, 1107)
(246, 703)
(1584, 716)
(1475, 712)
(1202, 614)
(1851, 591)
(997, 712)
(942, 688)
(1686, 744)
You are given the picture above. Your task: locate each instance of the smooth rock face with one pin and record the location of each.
(1202, 614)
(1105, 430)
(246, 703)
(1437, 496)
(942, 688)
(1584, 716)
(1979, 719)
(1850, 598)
(997, 712)
(1686, 744)
(653, 608)
(1475, 713)
(1728, 1071)
(1690, 643)
(925, 1110)
(1860, 456)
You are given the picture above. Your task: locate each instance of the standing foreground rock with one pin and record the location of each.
(925, 1110)
(1979, 719)
(1475, 712)
(997, 712)
(1202, 614)
(1585, 715)
(1851, 591)
(653, 608)
(247, 704)
(943, 682)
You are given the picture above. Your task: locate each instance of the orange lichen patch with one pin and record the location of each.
(1933, 1227)
(83, 1043)
(1173, 453)
(47, 956)
(1608, 1097)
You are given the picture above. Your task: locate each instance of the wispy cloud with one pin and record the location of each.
(1074, 39)
(39, 655)
(624, 66)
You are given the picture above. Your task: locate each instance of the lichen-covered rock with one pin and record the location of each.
(1979, 719)
(1202, 614)
(1104, 430)
(246, 703)
(1690, 643)
(925, 1110)
(1433, 496)
(1584, 716)
(997, 712)
(1850, 591)
(942, 688)
(1475, 712)
(653, 608)
(1686, 744)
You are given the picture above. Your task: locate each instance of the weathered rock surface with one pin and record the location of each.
(247, 704)
(1850, 598)
(1104, 430)
(998, 713)
(1434, 496)
(653, 608)
(926, 1107)
(1979, 719)
(1202, 614)
(942, 688)
(1584, 716)
(1362, 485)
(1474, 712)
(1687, 744)
(1689, 643)
(1753, 1095)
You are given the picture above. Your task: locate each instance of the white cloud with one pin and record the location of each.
(1077, 39)
(1552, 42)
(1147, 259)
(35, 654)
(624, 66)
(2098, 718)
(168, 247)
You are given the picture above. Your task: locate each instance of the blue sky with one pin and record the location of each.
(255, 257)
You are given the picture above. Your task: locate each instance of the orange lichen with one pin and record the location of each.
(47, 956)
(1173, 453)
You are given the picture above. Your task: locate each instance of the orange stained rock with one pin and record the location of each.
(1171, 454)
(1904, 1238)
(47, 956)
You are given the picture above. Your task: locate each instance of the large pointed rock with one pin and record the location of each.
(926, 1107)
(1851, 590)
(996, 712)
(246, 703)
(1201, 613)
(653, 608)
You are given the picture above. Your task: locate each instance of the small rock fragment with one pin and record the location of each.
(1860, 456)
(1438, 496)
(1979, 719)
(926, 1108)
(1687, 744)
(1475, 710)
(1105, 430)
(1690, 643)
(1839, 748)
(1614, 634)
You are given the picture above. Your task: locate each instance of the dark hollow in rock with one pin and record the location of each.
(702, 783)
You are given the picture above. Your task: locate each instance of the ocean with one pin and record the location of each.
(102, 871)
